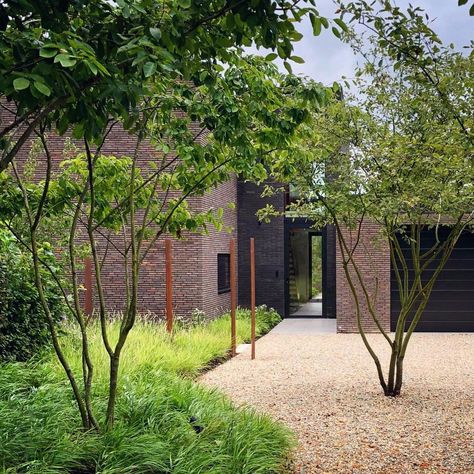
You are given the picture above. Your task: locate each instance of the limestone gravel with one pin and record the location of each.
(324, 387)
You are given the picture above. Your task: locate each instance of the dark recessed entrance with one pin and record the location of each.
(307, 286)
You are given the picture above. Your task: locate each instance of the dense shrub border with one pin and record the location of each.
(23, 326)
(166, 422)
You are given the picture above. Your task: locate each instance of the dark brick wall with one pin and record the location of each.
(216, 242)
(329, 272)
(269, 248)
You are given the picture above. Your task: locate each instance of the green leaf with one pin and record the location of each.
(271, 56)
(471, 10)
(42, 87)
(336, 32)
(92, 67)
(316, 22)
(462, 2)
(48, 52)
(341, 24)
(288, 67)
(156, 33)
(297, 59)
(184, 3)
(149, 69)
(296, 35)
(78, 131)
(21, 83)
(65, 59)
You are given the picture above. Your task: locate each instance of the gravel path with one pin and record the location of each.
(324, 387)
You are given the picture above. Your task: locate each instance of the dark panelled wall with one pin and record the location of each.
(269, 248)
(451, 304)
(329, 272)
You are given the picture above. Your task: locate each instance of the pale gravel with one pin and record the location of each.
(324, 387)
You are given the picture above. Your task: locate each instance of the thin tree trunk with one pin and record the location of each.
(113, 382)
(33, 224)
(399, 380)
(372, 353)
(130, 316)
(54, 336)
(392, 368)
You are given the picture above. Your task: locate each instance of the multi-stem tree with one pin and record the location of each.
(247, 112)
(398, 154)
(82, 66)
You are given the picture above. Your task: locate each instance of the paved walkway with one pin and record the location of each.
(324, 387)
(311, 308)
(305, 326)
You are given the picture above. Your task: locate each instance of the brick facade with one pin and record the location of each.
(372, 257)
(269, 248)
(195, 256)
(216, 242)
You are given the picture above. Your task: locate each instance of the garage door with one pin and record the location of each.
(451, 306)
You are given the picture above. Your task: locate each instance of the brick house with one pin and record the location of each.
(195, 272)
(284, 263)
(451, 305)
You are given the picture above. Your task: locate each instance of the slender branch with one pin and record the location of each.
(46, 309)
(6, 159)
(215, 15)
(342, 247)
(98, 278)
(178, 203)
(426, 73)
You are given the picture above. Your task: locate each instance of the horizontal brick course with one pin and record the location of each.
(194, 256)
(372, 256)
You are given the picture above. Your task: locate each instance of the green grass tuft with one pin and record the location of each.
(166, 423)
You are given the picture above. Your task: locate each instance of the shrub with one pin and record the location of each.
(266, 318)
(23, 326)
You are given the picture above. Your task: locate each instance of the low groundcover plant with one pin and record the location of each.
(166, 422)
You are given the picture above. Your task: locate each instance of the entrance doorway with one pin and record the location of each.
(310, 270)
(305, 273)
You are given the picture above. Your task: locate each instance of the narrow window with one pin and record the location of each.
(223, 272)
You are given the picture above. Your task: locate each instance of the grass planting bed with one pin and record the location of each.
(165, 422)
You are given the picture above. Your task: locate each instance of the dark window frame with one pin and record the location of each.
(223, 273)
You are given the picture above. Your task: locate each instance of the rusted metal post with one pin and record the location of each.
(88, 295)
(233, 299)
(252, 296)
(169, 285)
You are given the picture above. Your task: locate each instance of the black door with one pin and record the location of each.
(451, 305)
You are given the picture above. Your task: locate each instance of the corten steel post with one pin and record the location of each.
(88, 296)
(233, 299)
(252, 296)
(169, 285)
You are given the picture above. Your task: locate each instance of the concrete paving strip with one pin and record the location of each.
(305, 326)
(242, 348)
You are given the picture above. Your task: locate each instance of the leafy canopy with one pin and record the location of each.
(75, 63)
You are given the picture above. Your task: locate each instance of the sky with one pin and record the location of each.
(327, 59)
